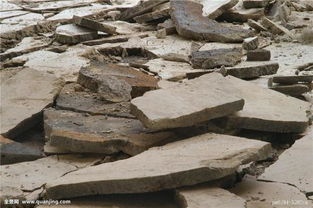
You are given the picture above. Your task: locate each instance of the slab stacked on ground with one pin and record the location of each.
(186, 104)
(187, 162)
(72, 34)
(187, 16)
(23, 97)
(213, 9)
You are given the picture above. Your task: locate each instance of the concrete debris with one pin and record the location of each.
(259, 55)
(13, 152)
(292, 79)
(293, 90)
(215, 9)
(206, 196)
(190, 24)
(213, 156)
(169, 26)
(216, 58)
(94, 25)
(250, 43)
(250, 70)
(99, 134)
(256, 25)
(72, 34)
(21, 105)
(161, 34)
(195, 106)
(275, 28)
(158, 14)
(298, 157)
(115, 83)
(248, 4)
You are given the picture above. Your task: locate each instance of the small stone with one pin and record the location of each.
(251, 43)
(161, 34)
(216, 58)
(169, 26)
(255, 25)
(292, 79)
(72, 34)
(94, 25)
(259, 55)
(293, 90)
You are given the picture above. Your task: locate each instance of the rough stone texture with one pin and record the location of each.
(275, 28)
(23, 101)
(248, 4)
(259, 55)
(255, 25)
(125, 28)
(192, 25)
(264, 109)
(250, 70)
(202, 196)
(299, 157)
(115, 83)
(293, 90)
(155, 15)
(170, 70)
(72, 34)
(187, 162)
(76, 98)
(169, 26)
(21, 180)
(292, 79)
(94, 25)
(13, 152)
(100, 134)
(213, 9)
(269, 195)
(141, 8)
(251, 43)
(198, 101)
(216, 58)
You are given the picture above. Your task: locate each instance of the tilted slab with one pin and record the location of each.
(100, 134)
(23, 97)
(294, 166)
(187, 162)
(213, 9)
(186, 104)
(201, 196)
(72, 34)
(190, 23)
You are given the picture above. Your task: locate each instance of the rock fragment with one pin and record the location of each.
(201, 196)
(275, 28)
(72, 34)
(248, 4)
(115, 83)
(259, 55)
(213, 9)
(13, 152)
(255, 25)
(190, 23)
(154, 15)
(94, 25)
(292, 79)
(169, 26)
(21, 105)
(187, 162)
(293, 90)
(216, 58)
(100, 134)
(250, 70)
(251, 43)
(198, 101)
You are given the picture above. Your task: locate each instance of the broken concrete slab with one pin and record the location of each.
(140, 9)
(154, 15)
(248, 4)
(195, 101)
(259, 55)
(187, 162)
(190, 24)
(100, 134)
(255, 25)
(125, 28)
(216, 58)
(201, 196)
(292, 79)
(214, 9)
(21, 105)
(74, 97)
(169, 26)
(169, 70)
(115, 83)
(269, 195)
(251, 43)
(14, 13)
(21, 180)
(298, 157)
(72, 34)
(272, 113)
(13, 152)
(250, 70)
(292, 90)
(94, 25)
(275, 28)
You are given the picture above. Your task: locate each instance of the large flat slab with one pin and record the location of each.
(186, 104)
(294, 166)
(72, 34)
(100, 134)
(190, 23)
(187, 162)
(23, 97)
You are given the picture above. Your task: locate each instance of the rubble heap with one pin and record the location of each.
(156, 103)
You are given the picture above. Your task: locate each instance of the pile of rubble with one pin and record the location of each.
(156, 103)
